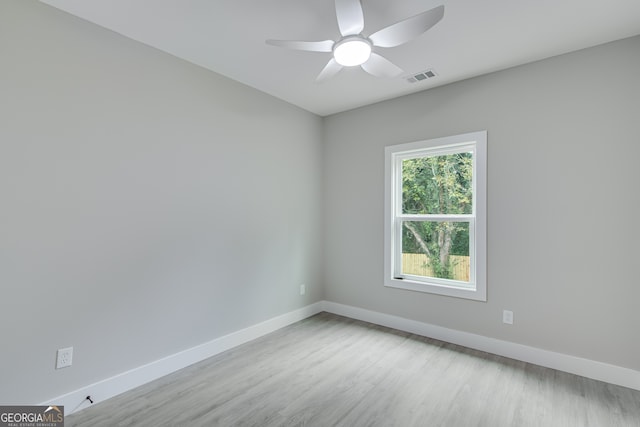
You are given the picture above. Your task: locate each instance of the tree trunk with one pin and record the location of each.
(444, 234)
(418, 237)
(444, 241)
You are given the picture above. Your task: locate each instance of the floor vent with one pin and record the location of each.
(423, 75)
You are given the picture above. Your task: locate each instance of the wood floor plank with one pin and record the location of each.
(333, 371)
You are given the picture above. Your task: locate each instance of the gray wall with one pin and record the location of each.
(147, 205)
(563, 200)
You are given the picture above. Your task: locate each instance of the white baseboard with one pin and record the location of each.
(110, 387)
(575, 365)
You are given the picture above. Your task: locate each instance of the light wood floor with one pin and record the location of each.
(332, 371)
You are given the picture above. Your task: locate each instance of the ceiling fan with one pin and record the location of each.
(354, 49)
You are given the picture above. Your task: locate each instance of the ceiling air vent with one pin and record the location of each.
(423, 75)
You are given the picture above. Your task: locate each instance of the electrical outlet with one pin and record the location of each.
(507, 317)
(303, 289)
(65, 357)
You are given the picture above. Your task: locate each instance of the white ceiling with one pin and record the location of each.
(474, 37)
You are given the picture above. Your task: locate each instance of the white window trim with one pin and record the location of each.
(476, 289)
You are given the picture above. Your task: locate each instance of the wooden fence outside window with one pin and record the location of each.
(418, 264)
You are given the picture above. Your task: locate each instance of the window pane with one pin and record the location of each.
(438, 184)
(436, 249)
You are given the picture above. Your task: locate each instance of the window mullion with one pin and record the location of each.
(434, 217)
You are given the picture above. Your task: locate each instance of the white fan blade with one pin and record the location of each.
(350, 17)
(321, 46)
(404, 31)
(330, 70)
(380, 66)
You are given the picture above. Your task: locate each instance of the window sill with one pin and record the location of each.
(470, 292)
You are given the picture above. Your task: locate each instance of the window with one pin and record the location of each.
(435, 216)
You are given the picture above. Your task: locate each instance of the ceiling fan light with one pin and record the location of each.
(350, 52)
